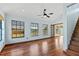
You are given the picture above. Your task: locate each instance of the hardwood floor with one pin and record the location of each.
(45, 47)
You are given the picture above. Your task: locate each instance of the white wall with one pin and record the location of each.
(14, 12)
(28, 21)
(27, 37)
(72, 17)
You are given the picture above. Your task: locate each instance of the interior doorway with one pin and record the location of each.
(57, 31)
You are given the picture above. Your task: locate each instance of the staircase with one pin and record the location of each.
(73, 49)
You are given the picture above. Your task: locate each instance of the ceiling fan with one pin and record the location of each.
(45, 14)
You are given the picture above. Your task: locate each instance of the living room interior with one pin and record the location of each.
(39, 29)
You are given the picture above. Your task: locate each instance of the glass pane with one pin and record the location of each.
(45, 29)
(14, 33)
(34, 29)
(18, 33)
(22, 25)
(13, 25)
(18, 25)
(17, 29)
(0, 35)
(0, 30)
(22, 29)
(22, 33)
(13, 22)
(14, 36)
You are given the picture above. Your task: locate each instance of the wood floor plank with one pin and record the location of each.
(46, 47)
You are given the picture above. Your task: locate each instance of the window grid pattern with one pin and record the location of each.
(45, 29)
(17, 29)
(34, 29)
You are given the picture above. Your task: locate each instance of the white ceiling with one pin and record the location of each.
(32, 9)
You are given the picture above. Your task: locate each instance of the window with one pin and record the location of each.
(34, 29)
(17, 29)
(45, 29)
(1, 27)
(0, 30)
(57, 30)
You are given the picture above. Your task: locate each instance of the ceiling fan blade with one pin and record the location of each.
(48, 16)
(51, 13)
(45, 14)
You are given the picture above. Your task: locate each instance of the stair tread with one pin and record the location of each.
(74, 48)
(72, 53)
(76, 33)
(75, 39)
(76, 43)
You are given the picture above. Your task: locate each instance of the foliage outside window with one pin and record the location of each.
(45, 29)
(17, 29)
(34, 29)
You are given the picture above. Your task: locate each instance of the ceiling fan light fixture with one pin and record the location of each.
(44, 15)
